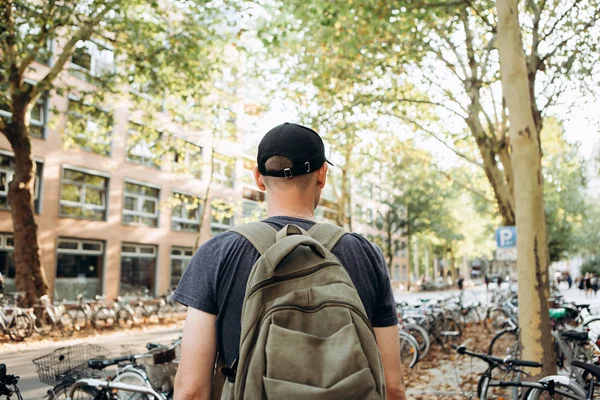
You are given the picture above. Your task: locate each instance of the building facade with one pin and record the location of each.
(115, 215)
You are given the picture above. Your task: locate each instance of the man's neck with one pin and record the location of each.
(298, 211)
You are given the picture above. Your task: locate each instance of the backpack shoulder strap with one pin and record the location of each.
(260, 234)
(327, 234)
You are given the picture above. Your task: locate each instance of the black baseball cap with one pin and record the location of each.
(300, 144)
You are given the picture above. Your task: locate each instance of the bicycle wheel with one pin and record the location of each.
(80, 319)
(20, 327)
(409, 350)
(496, 319)
(421, 336)
(506, 343)
(451, 331)
(564, 389)
(65, 324)
(43, 323)
(124, 319)
(131, 378)
(103, 318)
(61, 392)
(139, 313)
(164, 311)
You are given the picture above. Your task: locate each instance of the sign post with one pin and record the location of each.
(506, 239)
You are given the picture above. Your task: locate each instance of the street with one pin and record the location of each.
(18, 357)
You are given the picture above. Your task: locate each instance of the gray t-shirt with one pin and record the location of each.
(215, 280)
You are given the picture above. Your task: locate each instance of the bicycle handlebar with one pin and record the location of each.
(497, 360)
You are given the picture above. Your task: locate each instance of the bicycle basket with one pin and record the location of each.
(160, 367)
(67, 363)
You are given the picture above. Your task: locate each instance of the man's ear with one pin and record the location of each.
(258, 179)
(322, 175)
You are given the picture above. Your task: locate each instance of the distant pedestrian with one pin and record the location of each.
(569, 280)
(581, 283)
(588, 284)
(460, 282)
(487, 282)
(594, 281)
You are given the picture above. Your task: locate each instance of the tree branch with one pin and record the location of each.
(82, 34)
(466, 186)
(585, 27)
(9, 45)
(40, 40)
(439, 139)
(558, 21)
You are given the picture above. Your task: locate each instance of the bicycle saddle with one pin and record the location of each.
(591, 368)
(579, 336)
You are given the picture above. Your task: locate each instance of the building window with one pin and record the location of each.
(224, 170)
(7, 168)
(83, 195)
(140, 205)
(248, 173)
(38, 116)
(187, 158)
(138, 268)
(185, 215)
(253, 205)
(89, 128)
(79, 265)
(221, 217)
(92, 59)
(145, 145)
(7, 265)
(180, 259)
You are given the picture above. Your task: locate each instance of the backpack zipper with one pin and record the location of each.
(310, 309)
(293, 275)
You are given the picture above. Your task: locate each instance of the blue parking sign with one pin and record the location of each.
(506, 237)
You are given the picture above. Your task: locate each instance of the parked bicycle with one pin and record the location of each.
(8, 385)
(14, 321)
(53, 317)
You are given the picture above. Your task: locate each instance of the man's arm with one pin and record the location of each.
(389, 347)
(197, 361)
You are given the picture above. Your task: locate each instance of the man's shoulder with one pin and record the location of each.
(352, 239)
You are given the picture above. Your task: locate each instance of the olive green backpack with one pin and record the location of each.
(305, 333)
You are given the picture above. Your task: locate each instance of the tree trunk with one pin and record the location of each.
(526, 158)
(408, 261)
(30, 274)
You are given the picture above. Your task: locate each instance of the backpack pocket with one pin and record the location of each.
(359, 385)
(321, 362)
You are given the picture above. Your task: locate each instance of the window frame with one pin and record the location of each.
(37, 183)
(149, 162)
(91, 71)
(84, 205)
(182, 220)
(138, 254)
(87, 117)
(183, 257)
(220, 225)
(43, 100)
(141, 198)
(219, 165)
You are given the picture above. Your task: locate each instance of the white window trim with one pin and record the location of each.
(146, 161)
(219, 166)
(93, 59)
(80, 249)
(82, 204)
(141, 199)
(3, 239)
(137, 252)
(183, 257)
(10, 174)
(179, 218)
(107, 139)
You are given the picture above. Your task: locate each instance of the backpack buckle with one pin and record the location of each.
(230, 372)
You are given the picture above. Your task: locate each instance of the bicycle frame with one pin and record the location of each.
(487, 383)
(103, 384)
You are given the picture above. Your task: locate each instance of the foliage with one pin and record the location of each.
(591, 266)
(564, 187)
(588, 234)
